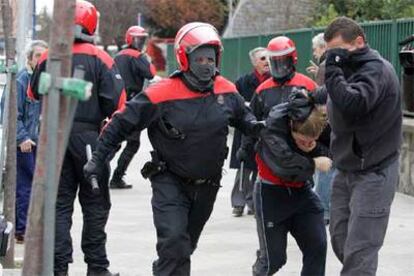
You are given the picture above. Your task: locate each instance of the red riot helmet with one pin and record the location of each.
(282, 57)
(86, 16)
(136, 36)
(193, 35)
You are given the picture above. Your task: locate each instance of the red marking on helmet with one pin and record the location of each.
(86, 16)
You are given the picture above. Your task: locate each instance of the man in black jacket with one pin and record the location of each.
(135, 68)
(107, 95)
(187, 116)
(364, 109)
(242, 193)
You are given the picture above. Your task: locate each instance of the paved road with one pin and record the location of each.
(227, 245)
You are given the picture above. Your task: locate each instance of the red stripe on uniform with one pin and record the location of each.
(174, 89)
(91, 50)
(122, 101)
(130, 52)
(298, 80)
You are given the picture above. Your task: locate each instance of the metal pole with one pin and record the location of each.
(23, 27)
(39, 239)
(34, 20)
(139, 17)
(52, 179)
(9, 203)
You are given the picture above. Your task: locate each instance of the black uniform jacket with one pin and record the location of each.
(187, 129)
(279, 152)
(134, 68)
(108, 92)
(246, 85)
(364, 110)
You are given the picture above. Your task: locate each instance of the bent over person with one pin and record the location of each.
(288, 154)
(187, 116)
(107, 95)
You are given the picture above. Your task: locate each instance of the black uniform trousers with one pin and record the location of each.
(180, 212)
(280, 211)
(131, 148)
(95, 208)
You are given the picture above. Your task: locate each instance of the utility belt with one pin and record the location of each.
(157, 166)
(84, 126)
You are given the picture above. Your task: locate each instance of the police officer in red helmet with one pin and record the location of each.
(107, 95)
(135, 68)
(187, 116)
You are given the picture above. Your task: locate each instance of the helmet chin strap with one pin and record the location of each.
(84, 37)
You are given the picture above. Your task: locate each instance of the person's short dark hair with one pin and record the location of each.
(345, 27)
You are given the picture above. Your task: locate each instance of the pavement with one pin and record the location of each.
(228, 244)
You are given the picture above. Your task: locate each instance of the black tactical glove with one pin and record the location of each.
(258, 126)
(93, 168)
(242, 155)
(299, 106)
(337, 57)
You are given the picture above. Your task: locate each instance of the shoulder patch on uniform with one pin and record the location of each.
(223, 86)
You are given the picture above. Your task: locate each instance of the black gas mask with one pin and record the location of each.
(281, 68)
(202, 68)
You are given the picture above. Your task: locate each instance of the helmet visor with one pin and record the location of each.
(281, 66)
(139, 42)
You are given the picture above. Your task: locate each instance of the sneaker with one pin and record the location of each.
(19, 238)
(119, 184)
(250, 212)
(238, 211)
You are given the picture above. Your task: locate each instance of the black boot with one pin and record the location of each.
(117, 182)
(105, 272)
